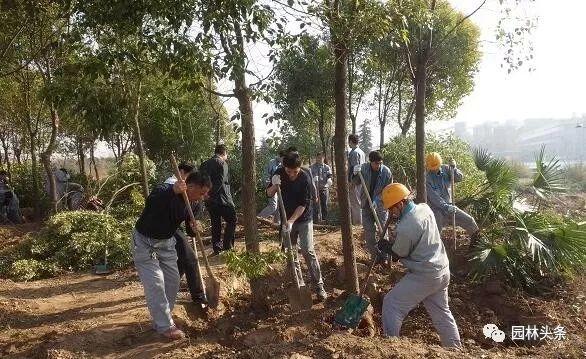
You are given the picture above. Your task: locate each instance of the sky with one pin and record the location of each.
(554, 90)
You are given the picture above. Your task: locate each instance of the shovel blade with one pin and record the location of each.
(299, 299)
(101, 269)
(352, 311)
(212, 292)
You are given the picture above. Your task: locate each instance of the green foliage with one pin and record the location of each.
(399, 155)
(117, 186)
(522, 246)
(304, 95)
(549, 177)
(21, 180)
(252, 265)
(529, 246)
(70, 241)
(24, 270)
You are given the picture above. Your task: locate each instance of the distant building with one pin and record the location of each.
(564, 138)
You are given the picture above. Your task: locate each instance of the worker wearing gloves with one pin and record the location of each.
(296, 190)
(154, 251)
(438, 183)
(322, 178)
(419, 247)
(355, 157)
(376, 177)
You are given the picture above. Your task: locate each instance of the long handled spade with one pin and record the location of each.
(372, 207)
(351, 313)
(212, 285)
(299, 296)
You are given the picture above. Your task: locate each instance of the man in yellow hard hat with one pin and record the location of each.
(418, 246)
(438, 184)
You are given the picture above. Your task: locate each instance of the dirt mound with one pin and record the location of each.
(85, 316)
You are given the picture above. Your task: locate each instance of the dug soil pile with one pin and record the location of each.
(87, 316)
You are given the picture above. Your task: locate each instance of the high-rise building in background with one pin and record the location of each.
(520, 141)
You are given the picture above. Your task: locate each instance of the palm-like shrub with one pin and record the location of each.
(523, 246)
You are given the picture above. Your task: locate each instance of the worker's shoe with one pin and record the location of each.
(322, 295)
(174, 334)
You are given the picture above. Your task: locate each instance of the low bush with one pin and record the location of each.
(70, 241)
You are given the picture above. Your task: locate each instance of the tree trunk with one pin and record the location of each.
(420, 79)
(350, 85)
(80, 156)
(242, 92)
(341, 71)
(93, 161)
(322, 135)
(6, 156)
(139, 146)
(46, 157)
(382, 134)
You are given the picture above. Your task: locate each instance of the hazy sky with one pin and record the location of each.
(554, 89)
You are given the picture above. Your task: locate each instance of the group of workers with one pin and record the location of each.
(162, 251)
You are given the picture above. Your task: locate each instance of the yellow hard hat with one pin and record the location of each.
(433, 161)
(393, 194)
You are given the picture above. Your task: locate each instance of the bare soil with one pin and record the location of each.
(88, 316)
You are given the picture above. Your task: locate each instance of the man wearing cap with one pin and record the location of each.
(418, 246)
(438, 183)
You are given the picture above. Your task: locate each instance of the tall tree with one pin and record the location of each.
(304, 94)
(349, 23)
(366, 136)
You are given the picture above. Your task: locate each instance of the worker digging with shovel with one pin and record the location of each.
(154, 251)
(295, 186)
(419, 247)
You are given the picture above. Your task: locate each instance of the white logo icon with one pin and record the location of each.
(493, 332)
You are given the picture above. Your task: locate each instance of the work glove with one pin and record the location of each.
(286, 227)
(384, 246)
(451, 209)
(452, 163)
(316, 179)
(276, 180)
(329, 182)
(356, 169)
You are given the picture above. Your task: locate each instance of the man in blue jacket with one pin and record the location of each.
(439, 187)
(154, 251)
(376, 177)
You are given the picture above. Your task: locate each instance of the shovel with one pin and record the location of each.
(102, 269)
(351, 313)
(299, 296)
(212, 285)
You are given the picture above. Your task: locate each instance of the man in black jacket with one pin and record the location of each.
(219, 203)
(154, 251)
(187, 261)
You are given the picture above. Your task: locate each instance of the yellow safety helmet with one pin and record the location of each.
(393, 194)
(433, 161)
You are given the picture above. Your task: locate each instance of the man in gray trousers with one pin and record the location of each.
(420, 249)
(376, 177)
(296, 190)
(154, 253)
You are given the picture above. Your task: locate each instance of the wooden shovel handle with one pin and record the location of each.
(192, 218)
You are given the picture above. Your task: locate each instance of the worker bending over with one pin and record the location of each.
(296, 190)
(419, 247)
(439, 187)
(154, 251)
